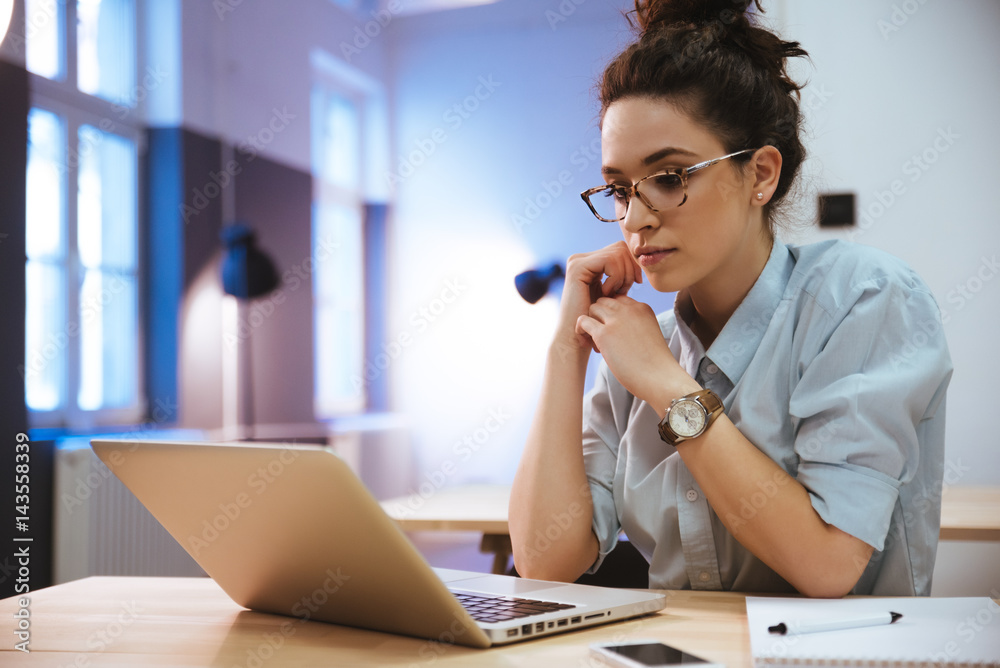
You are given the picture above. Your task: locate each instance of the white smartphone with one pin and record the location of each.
(647, 654)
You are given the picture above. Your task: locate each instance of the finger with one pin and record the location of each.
(620, 278)
(586, 326)
(631, 269)
(583, 329)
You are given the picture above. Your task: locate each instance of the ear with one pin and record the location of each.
(767, 169)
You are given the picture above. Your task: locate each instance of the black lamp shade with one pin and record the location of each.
(247, 272)
(534, 284)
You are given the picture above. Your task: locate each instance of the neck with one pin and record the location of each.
(714, 299)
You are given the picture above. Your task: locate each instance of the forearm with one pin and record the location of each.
(551, 511)
(770, 513)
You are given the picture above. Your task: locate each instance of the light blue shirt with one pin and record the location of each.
(835, 366)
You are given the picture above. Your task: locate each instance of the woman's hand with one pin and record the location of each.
(628, 335)
(590, 276)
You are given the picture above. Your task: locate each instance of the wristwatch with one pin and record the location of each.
(689, 416)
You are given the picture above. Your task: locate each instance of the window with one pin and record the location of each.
(338, 243)
(82, 352)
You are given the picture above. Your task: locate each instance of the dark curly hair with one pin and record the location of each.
(712, 60)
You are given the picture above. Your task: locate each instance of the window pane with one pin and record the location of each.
(341, 163)
(339, 290)
(106, 49)
(46, 337)
(106, 240)
(107, 207)
(45, 54)
(340, 384)
(46, 191)
(108, 341)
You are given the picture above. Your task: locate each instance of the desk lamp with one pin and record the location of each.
(247, 273)
(534, 284)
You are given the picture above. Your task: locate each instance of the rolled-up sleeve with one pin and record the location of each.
(877, 372)
(601, 440)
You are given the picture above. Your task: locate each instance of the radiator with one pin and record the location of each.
(102, 529)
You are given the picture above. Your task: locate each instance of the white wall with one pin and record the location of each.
(873, 103)
(911, 103)
(244, 60)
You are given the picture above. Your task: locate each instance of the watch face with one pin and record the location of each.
(687, 418)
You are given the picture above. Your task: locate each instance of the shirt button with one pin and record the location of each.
(692, 495)
(711, 369)
(704, 576)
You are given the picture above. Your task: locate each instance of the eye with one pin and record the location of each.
(619, 193)
(667, 181)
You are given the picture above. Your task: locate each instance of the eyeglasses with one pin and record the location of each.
(659, 191)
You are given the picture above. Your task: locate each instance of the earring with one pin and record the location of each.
(760, 196)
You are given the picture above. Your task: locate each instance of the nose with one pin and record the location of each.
(638, 216)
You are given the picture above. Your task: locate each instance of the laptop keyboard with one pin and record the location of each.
(485, 608)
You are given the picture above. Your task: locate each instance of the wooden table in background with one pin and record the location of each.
(478, 508)
(970, 513)
(967, 513)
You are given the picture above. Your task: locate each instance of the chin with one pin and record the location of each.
(666, 283)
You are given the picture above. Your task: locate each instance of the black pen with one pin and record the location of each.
(813, 626)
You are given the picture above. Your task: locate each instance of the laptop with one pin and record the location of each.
(291, 530)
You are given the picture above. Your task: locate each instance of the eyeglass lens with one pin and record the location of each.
(662, 191)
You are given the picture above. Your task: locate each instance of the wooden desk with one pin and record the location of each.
(119, 621)
(967, 513)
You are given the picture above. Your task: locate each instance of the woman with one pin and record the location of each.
(782, 429)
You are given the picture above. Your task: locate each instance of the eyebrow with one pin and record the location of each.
(653, 158)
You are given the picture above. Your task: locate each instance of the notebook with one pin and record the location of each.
(291, 530)
(932, 632)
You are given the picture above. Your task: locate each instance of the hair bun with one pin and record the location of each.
(654, 14)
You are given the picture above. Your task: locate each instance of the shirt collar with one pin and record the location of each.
(738, 341)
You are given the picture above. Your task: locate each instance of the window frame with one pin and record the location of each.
(76, 109)
(327, 192)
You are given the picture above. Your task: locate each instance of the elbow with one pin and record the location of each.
(826, 588)
(544, 569)
(540, 572)
(833, 580)
(564, 562)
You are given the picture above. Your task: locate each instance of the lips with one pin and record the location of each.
(648, 256)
